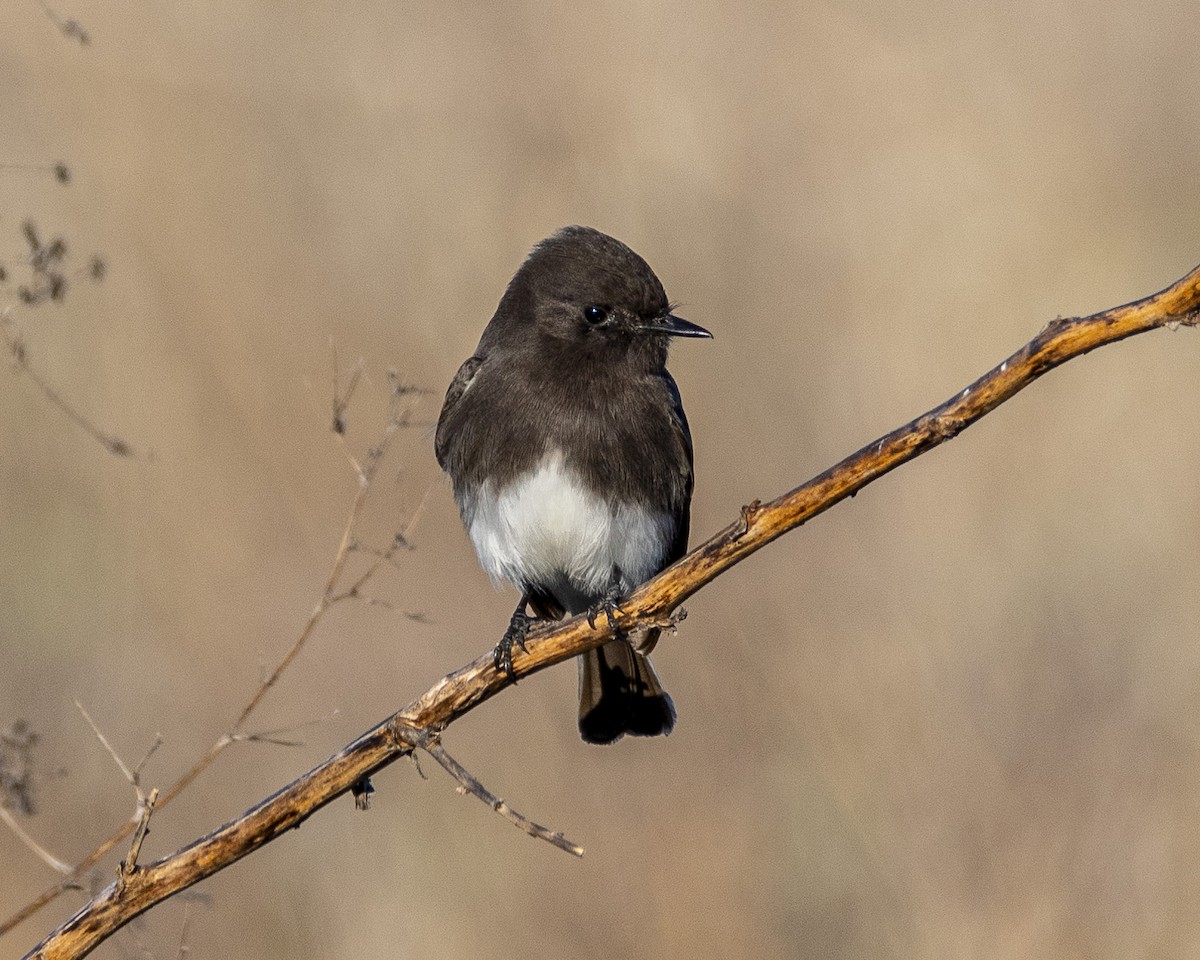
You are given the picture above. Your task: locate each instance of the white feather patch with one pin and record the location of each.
(546, 529)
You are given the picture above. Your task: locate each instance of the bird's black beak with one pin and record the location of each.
(673, 326)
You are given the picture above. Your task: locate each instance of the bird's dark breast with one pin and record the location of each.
(619, 434)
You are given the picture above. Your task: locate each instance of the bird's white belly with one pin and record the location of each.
(547, 530)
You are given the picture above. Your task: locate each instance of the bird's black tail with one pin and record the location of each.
(620, 693)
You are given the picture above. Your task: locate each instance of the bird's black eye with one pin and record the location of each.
(595, 314)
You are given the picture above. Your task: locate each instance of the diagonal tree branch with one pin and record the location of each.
(466, 688)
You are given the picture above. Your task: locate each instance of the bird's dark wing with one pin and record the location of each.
(458, 386)
(683, 436)
(683, 510)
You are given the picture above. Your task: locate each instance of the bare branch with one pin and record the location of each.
(468, 784)
(468, 687)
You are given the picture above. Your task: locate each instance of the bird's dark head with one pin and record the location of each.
(586, 292)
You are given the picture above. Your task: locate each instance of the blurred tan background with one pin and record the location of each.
(953, 717)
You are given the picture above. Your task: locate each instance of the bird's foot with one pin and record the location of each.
(607, 605)
(518, 629)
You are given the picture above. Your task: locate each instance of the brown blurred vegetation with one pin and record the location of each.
(953, 717)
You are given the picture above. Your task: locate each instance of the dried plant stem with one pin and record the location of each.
(329, 598)
(38, 850)
(129, 865)
(468, 783)
(15, 346)
(466, 688)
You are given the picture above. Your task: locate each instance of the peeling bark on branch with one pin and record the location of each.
(466, 688)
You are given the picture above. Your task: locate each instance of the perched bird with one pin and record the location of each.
(571, 458)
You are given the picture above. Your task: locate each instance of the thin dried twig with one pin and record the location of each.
(341, 401)
(49, 280)
(38, 850)
(16, 766)
(16, 787)
(69, 27)
(276, 738)
(469, 784)
(129, 865)
(469, 686)
(145, 802)
(128, 774)
(330, 596)
(184, 928)
(60, 171)
(141, 764)
(14, 344)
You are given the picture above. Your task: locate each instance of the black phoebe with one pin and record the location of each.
(571, 458)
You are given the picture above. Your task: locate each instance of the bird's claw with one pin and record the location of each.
(518, 627)
(608, 607)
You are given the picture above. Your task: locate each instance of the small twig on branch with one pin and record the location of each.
(467, 783)
(472, 786)
(129, 865)
(469, 686)
(145, 802)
